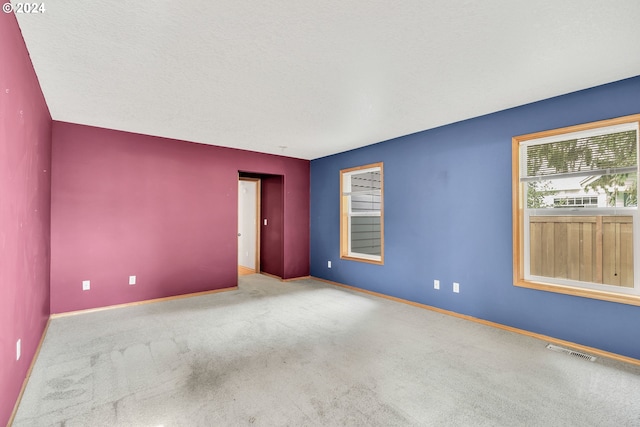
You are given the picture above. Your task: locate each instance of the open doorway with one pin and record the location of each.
(248, 225)
(269, 224)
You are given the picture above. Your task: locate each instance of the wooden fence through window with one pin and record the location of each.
(596, 249)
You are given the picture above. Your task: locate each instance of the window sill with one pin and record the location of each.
(369, 261)
(585, 293)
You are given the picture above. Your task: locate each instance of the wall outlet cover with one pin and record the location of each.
(86, 285)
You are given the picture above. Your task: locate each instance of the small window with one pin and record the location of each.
(575, 210)
(362, 214)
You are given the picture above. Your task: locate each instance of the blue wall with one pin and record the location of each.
(448, 217)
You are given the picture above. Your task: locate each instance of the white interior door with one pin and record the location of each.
(248, 223)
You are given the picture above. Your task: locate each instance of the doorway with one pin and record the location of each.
(269, 241)
(248, 226)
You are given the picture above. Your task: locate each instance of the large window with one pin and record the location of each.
(362, 216)
(575, 210)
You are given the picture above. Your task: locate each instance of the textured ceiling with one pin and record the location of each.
(318, 77)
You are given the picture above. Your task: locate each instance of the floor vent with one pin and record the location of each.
(571, 352)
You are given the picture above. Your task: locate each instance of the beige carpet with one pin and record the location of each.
(307, 353)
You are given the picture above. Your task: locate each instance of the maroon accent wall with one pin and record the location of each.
(163, 210)
(297, 216)
(25, 196)
(272, 234)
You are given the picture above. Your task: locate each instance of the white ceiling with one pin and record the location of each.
(318, 76)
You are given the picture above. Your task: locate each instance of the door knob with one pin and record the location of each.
(239, 234)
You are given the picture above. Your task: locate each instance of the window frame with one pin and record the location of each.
(518, 215)
(345, 216)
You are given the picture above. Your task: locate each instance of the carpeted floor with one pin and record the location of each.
(305, 354)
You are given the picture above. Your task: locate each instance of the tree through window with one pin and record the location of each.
(575, 210)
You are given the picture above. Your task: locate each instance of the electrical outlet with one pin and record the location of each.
(86, 285)
(329, 264)
(132, 280)
(456, 287)
(436, 284)
(265, 221)
(18, 349)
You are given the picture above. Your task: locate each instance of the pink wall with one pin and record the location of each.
(25, 195)
(163, 210)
